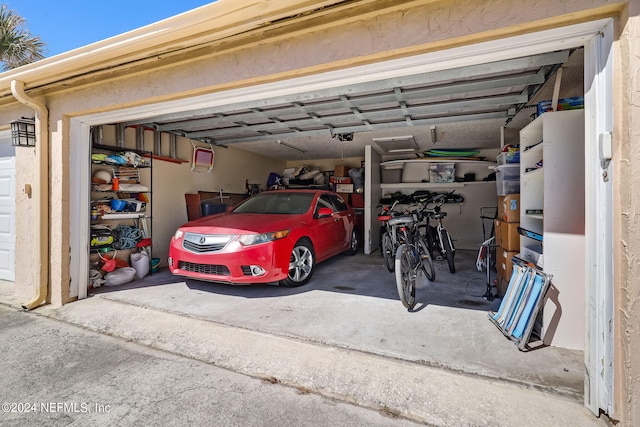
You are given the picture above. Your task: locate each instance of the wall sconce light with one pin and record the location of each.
(434, 135)
(23, 133)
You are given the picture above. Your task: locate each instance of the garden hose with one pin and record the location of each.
(127, 237)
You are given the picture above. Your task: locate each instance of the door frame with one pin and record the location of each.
(599, 298)
(596, 106)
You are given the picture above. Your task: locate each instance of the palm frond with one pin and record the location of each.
(17, 45)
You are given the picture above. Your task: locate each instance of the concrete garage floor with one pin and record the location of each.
(352, 303)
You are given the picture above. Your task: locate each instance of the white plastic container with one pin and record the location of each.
(416, 171)
(442, 172)
(508, 179)
(391, 173)
(140, 261)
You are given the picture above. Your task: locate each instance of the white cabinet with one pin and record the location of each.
(552, 196)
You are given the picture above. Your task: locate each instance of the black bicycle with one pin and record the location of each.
(438, 238)
(412, 260)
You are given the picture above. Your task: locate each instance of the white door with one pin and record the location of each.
(8, 218)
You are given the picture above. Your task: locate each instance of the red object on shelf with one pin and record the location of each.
(144, 243)
(357, 200)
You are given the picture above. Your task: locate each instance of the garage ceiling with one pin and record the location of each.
(396, 109)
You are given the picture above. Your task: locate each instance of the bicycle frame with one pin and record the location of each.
(438, 238)
(439, 228)
(412, 259)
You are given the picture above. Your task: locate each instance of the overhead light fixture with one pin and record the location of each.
(23, 132)
(397, 144)
(280, 142)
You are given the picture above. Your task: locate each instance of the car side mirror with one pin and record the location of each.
(324, 212)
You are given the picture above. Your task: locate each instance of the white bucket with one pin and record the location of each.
(140, 261)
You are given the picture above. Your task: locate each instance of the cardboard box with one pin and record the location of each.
(340, 180)
(507, 236)
(345, 197)
(501, 286)
(504, 265)
(509, 208)
(341, 170)
(343, 188)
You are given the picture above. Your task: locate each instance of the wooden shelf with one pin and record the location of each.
(165, 158)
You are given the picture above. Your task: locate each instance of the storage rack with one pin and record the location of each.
(125, 173)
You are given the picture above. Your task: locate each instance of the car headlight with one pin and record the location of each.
(255, 239)
(178, 234)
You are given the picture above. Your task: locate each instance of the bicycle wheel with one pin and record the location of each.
(447, 246)
(427, 262)
(387, 252)
(432, 241)
(382, 231)
(405, 276)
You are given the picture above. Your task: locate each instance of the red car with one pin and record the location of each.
(275, 236)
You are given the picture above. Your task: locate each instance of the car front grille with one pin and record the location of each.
(203, 243)
(218, 270)
(246, 270)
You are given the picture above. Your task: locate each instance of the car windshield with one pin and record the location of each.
(277, 203)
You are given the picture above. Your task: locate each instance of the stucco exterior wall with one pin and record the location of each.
(627, 219)
(26, 217)
(363, 34)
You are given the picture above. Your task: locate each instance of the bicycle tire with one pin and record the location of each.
(405, 276)
(427, 261)
(447, 246)
(387, 252)
(432, 241)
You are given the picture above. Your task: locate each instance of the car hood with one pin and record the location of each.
(243, 223)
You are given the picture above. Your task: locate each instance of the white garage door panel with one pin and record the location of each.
(7, 218)
(6, 224)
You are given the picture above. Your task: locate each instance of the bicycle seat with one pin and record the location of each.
(401, 220)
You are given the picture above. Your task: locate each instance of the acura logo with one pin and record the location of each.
(202, 240)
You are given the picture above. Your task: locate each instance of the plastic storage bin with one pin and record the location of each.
(391, 174)
(508, 179)
(442, 172)
(563, 104)
(508, 157)
(212, 206)
(416, 172)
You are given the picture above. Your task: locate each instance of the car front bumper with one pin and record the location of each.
(235, 264)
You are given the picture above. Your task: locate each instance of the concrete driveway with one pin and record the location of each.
(352, 303)
(347, 336)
